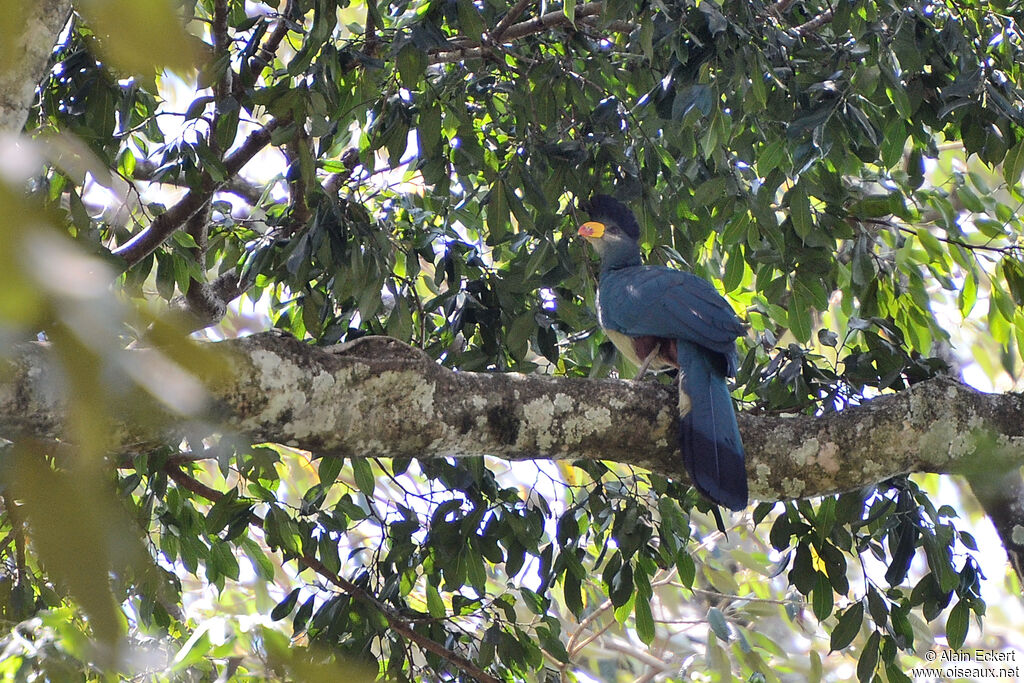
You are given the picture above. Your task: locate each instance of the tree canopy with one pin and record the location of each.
(846, 173)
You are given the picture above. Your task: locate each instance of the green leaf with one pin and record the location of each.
(734, 269)
(799, 316)
(736, 230)
(285, 607)
(1013, 164)
(434, 603)
(329, 468)
(497, 214)
(644, 621)
(165, 275)
(469, 20)
(536, 603)
(718, 624)
(198, 107)
(800, 208)
(429, 130)
(686, 568)
(822, 598)
(848, 627)
(475, 572)
(224, 560)
(868, 658)
(968, 295)
(412, 64)
(877, 606)
(572, 591)
(363, 473)
(770, 157)
(893, 141)
(192, 652)
(957, 624)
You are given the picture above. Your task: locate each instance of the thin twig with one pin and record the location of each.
(947, 240)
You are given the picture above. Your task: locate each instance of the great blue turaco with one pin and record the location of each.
(661, 318)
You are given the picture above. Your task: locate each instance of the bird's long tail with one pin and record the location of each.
(708, 435)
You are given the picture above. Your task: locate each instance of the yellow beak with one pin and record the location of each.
(592, 229)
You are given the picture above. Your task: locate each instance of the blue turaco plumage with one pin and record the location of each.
(661, 317)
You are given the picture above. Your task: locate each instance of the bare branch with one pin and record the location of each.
(461, 48)
(514, 13)
(265, 53)
(382, 397)
(299, 208)
(221, 44)
(370, 31)
(815, 23)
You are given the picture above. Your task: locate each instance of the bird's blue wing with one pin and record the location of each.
(662, 302)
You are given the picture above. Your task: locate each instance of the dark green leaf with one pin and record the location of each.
(285, 607)
(848, 626)
(644, 621)
(718, 624)
(957, 624)
(868, 658)
(363, 473)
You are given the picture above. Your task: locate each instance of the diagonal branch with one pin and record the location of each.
(550, 20)
(514, 13)
(145, 242)
(462, 48)
(815, 23)
(1000, 491)
(395, 621)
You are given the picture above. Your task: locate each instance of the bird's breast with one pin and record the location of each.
(636, 349)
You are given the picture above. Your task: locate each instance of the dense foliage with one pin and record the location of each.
(412, 168)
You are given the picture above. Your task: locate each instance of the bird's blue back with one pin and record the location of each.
(663, 302)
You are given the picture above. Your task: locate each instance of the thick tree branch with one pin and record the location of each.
(24, 55)
(378, 397)
(513, 13)
(1001, 495)
(550, 20)
(142, 244)
(395, 621)
(815, 23)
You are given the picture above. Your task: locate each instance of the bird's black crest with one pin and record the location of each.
(601, 206)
